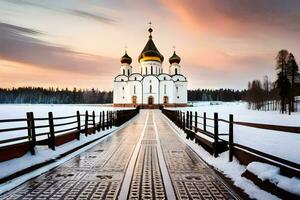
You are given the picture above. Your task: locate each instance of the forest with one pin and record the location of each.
(216, 95)
(38, 95)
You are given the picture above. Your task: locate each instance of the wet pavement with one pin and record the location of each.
(144, 160)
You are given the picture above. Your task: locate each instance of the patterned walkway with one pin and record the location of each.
(145, 160)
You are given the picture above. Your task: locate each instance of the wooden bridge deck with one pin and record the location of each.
(144, 160)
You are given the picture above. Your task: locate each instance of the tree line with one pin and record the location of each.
(215, 95)
(279, 94)
(38, 95)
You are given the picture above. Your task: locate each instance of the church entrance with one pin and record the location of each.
(166, 99)
(133, 99)
(150, 100)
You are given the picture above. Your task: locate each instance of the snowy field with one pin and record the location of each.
(18, 111)
(281, 144)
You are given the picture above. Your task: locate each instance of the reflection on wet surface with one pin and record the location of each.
(94, 174)
(191, 178)
(99, 172)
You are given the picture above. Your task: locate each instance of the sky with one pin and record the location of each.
(78, 43)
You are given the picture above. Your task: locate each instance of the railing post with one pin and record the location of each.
(30, 135)
(107, 120)
(100, 121)
(180, 119)
(204, 121)
(94, 123)
(103, 121)
(230, 137)
(86, 125)
(187, 119)
(78, 125)
(196, 122)
(183, 121)
(216, 133)
(33, 128)
(51, 139)
(191, 120)
(111, 118)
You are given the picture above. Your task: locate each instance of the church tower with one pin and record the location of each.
(150, 58)
(174, 61)
(126, 68)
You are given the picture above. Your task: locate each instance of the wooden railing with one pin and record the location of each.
(196, 128)
(54, 131)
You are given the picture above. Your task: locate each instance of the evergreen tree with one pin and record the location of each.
(292, 70)
(282, 81)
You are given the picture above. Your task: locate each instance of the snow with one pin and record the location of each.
(272, 173)
(233, 170)
(281, 144)
(44, 154)
(18, 111)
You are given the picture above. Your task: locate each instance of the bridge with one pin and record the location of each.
(144, 160)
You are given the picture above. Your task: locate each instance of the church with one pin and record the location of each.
(150, 86)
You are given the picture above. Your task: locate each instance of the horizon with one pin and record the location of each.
(80, 43)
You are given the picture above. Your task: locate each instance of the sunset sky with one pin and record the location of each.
(78, 43)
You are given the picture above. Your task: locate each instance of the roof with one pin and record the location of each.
(150, 51)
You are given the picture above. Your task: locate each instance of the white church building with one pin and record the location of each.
(150, 86)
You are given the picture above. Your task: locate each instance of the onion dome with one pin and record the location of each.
(150, 52)
(126, 59)
(174, 58)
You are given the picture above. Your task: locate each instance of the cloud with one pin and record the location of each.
(19, 29)
(66, 9)
(92, 16)
(18, 46)
(237, 17)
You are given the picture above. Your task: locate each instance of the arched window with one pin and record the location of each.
(151, 70)
(128, 72)
(135, 78)
(150, 89)
(123, 71)
(122, 79)
(165, 89)
(134, 89)
(165, 78)
(177, 90)
(146, 71)
(175, 70)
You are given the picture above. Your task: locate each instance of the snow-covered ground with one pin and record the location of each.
(43, 154)
(18, 111)
(234, 171)
(281, 144)
(271, 173)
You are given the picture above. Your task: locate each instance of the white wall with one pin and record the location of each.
(147, 81)
(126, 69)
(146, 67)
(180, 92)
(135, 92)
(120, 92)
(167, 89)
(173, 68)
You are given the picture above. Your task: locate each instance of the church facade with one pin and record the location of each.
(150, 86)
